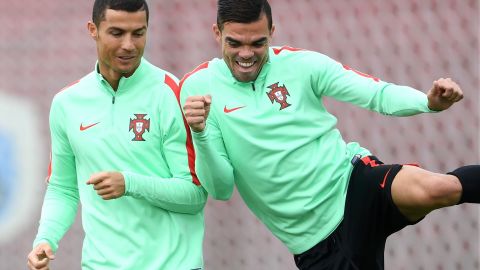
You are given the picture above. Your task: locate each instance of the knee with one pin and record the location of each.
(441, 190)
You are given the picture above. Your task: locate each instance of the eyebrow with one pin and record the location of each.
(123, 30)
(260, 40)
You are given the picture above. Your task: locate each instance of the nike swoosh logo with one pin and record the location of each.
(225, 110)
(83, 128)
(382, 185)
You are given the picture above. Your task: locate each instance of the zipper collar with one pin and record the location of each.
(125, 84)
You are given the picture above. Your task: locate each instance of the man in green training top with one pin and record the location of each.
(258, 121)
(119, 147)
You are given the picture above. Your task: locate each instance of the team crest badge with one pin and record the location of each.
(279, 94)
(139, 125)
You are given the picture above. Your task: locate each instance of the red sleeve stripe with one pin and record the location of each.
(68, 86)
(49, 173)
(189, 143)
(361, 73)
(200, 67)
(287, 48)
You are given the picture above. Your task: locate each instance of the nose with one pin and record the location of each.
(246, 52)
(128, 44)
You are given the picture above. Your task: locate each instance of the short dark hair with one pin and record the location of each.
(242, 11)
(100, 6)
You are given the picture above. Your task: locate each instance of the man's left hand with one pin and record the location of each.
(443, 94)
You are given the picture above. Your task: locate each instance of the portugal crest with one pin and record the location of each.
(279, 94)
(139, 125)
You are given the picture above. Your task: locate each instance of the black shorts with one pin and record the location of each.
(370, 217)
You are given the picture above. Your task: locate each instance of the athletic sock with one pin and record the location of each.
(469, 177)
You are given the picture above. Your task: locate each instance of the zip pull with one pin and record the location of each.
(253, 86)
(113, 99)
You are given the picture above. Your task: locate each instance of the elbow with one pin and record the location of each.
(219, 187)
(190, 209)
(195, 209)
(223, 195)
(198, 207)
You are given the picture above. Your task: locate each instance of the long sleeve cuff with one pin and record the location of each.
(171, 194)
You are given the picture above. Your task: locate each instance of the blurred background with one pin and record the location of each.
(44, 46)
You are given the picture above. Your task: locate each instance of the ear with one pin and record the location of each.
(217, 33)
(92, 29)
(272, 30)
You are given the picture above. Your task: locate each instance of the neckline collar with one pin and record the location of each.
(124, 83)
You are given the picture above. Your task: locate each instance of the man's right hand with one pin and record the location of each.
(40, 256)
(196, 110)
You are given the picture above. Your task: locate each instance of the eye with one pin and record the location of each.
(233, 44)
(116, 33)
(139, 34)
(260, 44)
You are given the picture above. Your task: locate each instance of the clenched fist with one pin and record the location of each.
(443, 94)
(196, 110)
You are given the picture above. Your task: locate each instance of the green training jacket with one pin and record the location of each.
(275, 140)
(139, 131)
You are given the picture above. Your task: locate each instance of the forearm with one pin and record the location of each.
(400, 101)
(58, 214)
(172, 194)
(214, 171)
